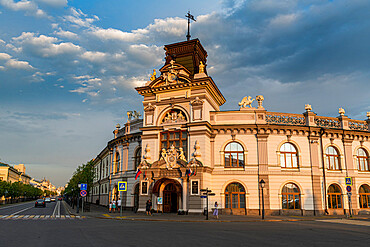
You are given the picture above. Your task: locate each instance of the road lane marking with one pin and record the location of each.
(12, 206)
(26, 217)
(55, 209)
(22, 210)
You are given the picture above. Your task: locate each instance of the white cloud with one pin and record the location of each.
(115, 34)
(94, 56)
(66, 34)
(80, 19)
(29, 7)
(5, 56)
(45, 46)
(15, 64)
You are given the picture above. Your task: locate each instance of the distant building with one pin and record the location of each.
(185, 144)
(14, 174)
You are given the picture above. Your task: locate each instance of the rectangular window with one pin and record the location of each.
(227, 201)
(144, 188)
(195, 187)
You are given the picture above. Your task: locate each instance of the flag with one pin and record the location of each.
(194, 173)
(137, 173)
(188, 172)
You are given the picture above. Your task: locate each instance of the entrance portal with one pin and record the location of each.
(170, 199)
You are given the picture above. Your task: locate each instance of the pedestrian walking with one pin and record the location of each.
(148, 207)
(110, 206)
(215, 212)
(119, 205)
(114, 206)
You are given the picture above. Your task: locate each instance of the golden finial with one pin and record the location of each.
(368, 115)
(152, 78)
(341, 111)
(201, 67)
(308, 107)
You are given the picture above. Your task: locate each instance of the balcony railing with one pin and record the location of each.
(285, 118)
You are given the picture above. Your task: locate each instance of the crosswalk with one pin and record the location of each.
(40, 217)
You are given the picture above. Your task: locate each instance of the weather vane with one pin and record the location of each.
(190, 17)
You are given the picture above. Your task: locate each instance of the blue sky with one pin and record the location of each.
(68, 69)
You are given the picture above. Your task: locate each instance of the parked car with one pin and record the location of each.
(53, 199)
(47, 199)
(40, 203)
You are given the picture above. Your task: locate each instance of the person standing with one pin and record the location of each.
(114, 206)
(119, 205)
(148, 207)
(215, 212)
(110, 206)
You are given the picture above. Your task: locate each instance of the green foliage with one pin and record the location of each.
(18, 189)
(83, 174)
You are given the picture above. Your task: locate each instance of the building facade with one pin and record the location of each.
(184, 143)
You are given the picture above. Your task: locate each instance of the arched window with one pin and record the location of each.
(332, 158)
(334, 197)
(234, 155)
(117, 162)
(291, 197)
(288, 156)
(363, 160)
(137, 158)
(235, 196)
(364, 193)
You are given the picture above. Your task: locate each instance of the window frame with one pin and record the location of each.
(238, 154)
(335, 157)
(364, 197)
(365, 159)
(284, 166)
(286, 194)
(335, 196)
(168, 140)
(137, 158)
(229, 195)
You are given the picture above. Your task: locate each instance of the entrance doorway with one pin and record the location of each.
(170, 199)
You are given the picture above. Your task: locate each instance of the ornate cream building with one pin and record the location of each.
(184, 143)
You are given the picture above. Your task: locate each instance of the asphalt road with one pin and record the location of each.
(52, 209)
(107, 232)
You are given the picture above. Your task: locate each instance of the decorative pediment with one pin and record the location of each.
(174, 116)
(149, 107)
(171, 74)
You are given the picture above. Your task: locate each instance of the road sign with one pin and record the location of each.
(348, 188)
(349, 181)
(203, 196)
(122, 186)
(83, 187)
(83, 193)
(159, 201)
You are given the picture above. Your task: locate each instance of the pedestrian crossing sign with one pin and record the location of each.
(349, 181)
(122, 186)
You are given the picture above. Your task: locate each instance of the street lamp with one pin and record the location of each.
(262, 184)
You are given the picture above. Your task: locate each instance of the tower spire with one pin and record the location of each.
(190, 17)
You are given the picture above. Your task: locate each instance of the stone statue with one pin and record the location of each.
(181, 155)
(129, 115)
(153, 76)
(201, 67)
(246, 101)
(136, 114)
(341, 111)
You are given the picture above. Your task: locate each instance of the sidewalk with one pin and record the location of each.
(102, 213)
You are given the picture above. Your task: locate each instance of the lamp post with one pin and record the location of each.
(262, 184)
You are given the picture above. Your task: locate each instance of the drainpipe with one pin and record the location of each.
(322, 132)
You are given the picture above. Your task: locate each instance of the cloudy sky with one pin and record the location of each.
(68, 68)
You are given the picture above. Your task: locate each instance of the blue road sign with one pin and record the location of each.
(349, 181)
(122, 186)
(83, 187)
(83, 193)
(203, 196)
(348, 188)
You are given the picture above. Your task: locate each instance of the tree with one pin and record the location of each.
(83, 174)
